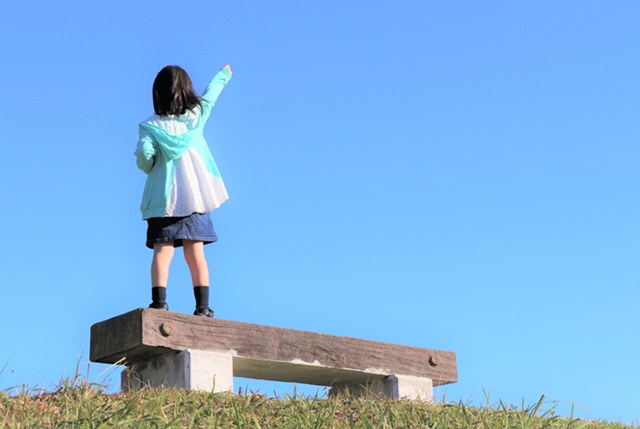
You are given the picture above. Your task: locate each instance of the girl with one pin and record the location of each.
(183, 183)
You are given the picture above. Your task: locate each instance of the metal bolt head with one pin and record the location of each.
(433, 361)
(165, 330)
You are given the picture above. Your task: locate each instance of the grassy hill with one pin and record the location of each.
(77, 404)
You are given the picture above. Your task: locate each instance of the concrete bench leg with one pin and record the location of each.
(393, 386)
(190, 369)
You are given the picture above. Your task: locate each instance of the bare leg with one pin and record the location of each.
(194, 255)
(162, 255)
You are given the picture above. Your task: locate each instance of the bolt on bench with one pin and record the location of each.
(162, 348)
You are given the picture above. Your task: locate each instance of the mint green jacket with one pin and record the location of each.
(167, 144)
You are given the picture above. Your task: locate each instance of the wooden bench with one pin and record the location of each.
(162, 348)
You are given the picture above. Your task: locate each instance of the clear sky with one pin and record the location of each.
(459, 175)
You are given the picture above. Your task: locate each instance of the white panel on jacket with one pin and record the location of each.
(194, 189)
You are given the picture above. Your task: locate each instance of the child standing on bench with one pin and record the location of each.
(183, 183)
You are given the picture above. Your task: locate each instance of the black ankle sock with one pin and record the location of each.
(202, 296)
(159, 294)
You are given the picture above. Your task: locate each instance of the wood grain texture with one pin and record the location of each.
(117, 334)
(137, 334)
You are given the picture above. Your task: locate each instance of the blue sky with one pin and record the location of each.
(452, 175)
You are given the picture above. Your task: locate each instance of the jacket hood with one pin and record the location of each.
(172, 147)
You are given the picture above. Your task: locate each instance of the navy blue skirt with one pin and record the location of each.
(197, 227)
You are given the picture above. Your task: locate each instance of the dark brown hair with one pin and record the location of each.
(173, 92)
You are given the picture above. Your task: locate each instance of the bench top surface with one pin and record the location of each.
(146, 332)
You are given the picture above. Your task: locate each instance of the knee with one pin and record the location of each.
(193, 254)
(163, 252)
(193, 257)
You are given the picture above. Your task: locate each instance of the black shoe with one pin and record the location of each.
(159, 306)
(203, 311)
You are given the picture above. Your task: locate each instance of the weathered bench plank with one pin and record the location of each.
(285, 354)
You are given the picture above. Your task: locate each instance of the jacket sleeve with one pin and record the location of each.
(213, 90)
(145, 151)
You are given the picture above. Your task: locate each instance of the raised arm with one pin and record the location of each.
(145, 151)
(213, 90)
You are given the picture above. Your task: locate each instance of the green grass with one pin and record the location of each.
(75, 403)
